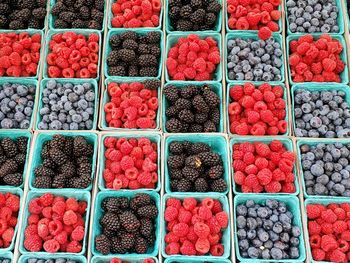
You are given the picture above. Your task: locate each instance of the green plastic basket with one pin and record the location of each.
(170, 29)
(6, 255)
(250, 35)
(317, 87)
(27, 82)
(152, 252)
(53, 18)
(344, 75)
(135, 259)
(256, 84)
(340, 20)
(24, 258)
(216, 142)
(173, 38)
(225, 240)
(217, 88)
(46, 136)
(14, 134)
(287, 143)
(293, 205)
(190, 259)
(85, 32)
(139, 31)
(79, 195)
(107, 98)
(94, 84)
(102, 159)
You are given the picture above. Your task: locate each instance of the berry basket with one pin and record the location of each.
(139, 31)
(52, 18)
(217, 142)
(287, 143)
(225, 240)
(85, 32)
(217, 88)
(136, 259)
(340, 20)
(173, 38)
(26, 257)
(154, 137)
(7, 255)
(169, 29)
(80, 195)
(98, 213)
(45, 136)
(344, 75)
(106, 98)
(292, 203)
(25, 81)
(13, 134)
(189, 259)
(251, 35)
(256, 84)
(74, 81)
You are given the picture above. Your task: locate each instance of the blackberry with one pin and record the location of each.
(58, 156)
(188, 92)
(209, 126)
(143, 49)
(184, 25)
(200, 147)
(116, 246)
(130, 44)
(81, 147)
(210, 19)
(83, 181)
(182, 104)
(97, 15)
(112, 59)
(140, 200)
(195, 128)
(175, 161)
(199, 104)
(147, 59)
(115, 41)
(16, 25)
(2, 159)
(214, 7)
(218, 185)
(196, 3)
(186, 11)
(14, 179)
(102, 244)
(45, 150)
(42, 182)
(150, 240)
(127, 241)
(153, 37)
(41, 3)
(174, 3)
(216, 172)
(201, 118)
(23, 15)
(148, 211)
(8, 167)
(68, 17)
(184, 186)
(155, 50)
(39, 13)
(174, 13)
(176, 147)
(42, 170)
(173, 185)
(58, 8)
(211, 98)
(193, 161)
(84, 169)
(68, 169)
(126, 55)
(201, 185)
(68, 145)
(4, 9)
(148, 72)
(9, 147)
(58, 141)
(109, 233)
(210, 158)
(83, 159)
(171, 111)
(141, 246)
(111, 204)
(59, 181)
(198, 16)
(59, 23)
(99, 4)
(110, 221)
(152, 83)
(187, 145)
(3, 21)
(34, 23)
(128, 35)
(129, 221)
(48, 163)
(175, 174)
(171, 93)
(215, 116)
(84, 12)
(22, 4)
(116, 71)
(190, 174)
(78, 23)
(146, 227)
(92, 24)
(123, 202)
(186, 116)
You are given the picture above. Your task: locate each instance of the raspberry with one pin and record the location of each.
(288, 188)
(201, 230)
(318, 254)
(262, 149)
(180, 229)
(339, 227)
(338, 256)
(328, 216)
(204, 213)
(222, 218)
(78, 233)
(314, 228)
(33, 243)
(12, 201)
(328, 243)
(174, 203)
(189, 203)
(188, 248)
(202, 245)
(51, 246)
(264, 33)
(70, 217)
(314, 211)
(273, 187)
(172, 248)
(170, 213)
(217, 207)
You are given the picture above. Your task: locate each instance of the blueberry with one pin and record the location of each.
(241, 210)
(262, 212)
(243, 245)
(241, 222)
(7, 123)
(55, 125)
(253, 252)
(73, 125)
(277, 227)
(251, 223)
(251, 234)
(241, 233)
(263, 235)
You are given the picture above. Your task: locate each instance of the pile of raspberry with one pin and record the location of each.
(136, 13)
(260, 167)
(73, 55)
(19, 54)
(193, 58)
(194, 228)
(117, 260)
(262, 15)
(9, 206)
(257, 110)
(329, 232)
(55, 224)
(316, 60)
(132, 105)
(130, 163)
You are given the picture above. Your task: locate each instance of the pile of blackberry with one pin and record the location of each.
(195, 167)
(192, 109)
(78, 14)
(128, 225)
(12, 159)
(66, 163)
(22, 14)
(134, 54)
(193, 15)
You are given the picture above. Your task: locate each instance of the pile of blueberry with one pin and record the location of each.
(67, 106)
(258, 60)
(16, 105)
(326, 169)
(321, 114)
(58, 260)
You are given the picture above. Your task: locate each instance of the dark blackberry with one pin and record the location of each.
(210, 19)
(9, 147)
(210, 158)
(97, 15)
(147, 59)
(150, 240)
(184, 25)
(8, 167)
(4, 9)
(148, 71)
(218, 185)
(140, 200)
(115, 41)
(174, 14)
(109, 233)
(200, 147)
(175, 3)
(182, 104)
(22, 4)
(187, 145)
(103, 245)
(153, 37)
(171, 111)
(81, 147)
(214, 7)
(152, 83)
(58, 8)
(143, 49)
(78, 23)
(173, 185)
(92, 24)
(42, 170)
(184, 185)
(201, 118)
(130, 44)
(83, 181)
(173, 125)
(190, 173)
(128, 35)
(188, 92)
(126, 55)
(123, 202)
(216, 172)
(39, 13)
(68, 145)
(209, 126)
(127, 240)
(3, 21)
(133, 71)
(45, 150)
(196, 3)
(116, 71)
(148, 211)
(111, 204)
(110, 221)
(155, 50)
(199, 104)
(175, 174)
(193, 161)
(211, 98)
(146, 228)
(14, 179)
(59, 23)
(2, 159)
(184, 127)
(186, 11)
(129, 221)
(42, 182)
(99, 4)
(84, 169)
(84, 12)
(116, 246)
(23, 15)
(58, 156)
(198, 16)
(195, 128)
(186, 116)
(68, 17)
(201, 185)
(34, 23)
(16, 25)
(175, 161)
(176, 147)
(171, 93)
(215, 116)
(48, 163)
(58, 141)
(141, 246)
(59, 181)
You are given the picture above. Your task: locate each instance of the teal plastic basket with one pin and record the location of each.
(173, 38)
(136, 259)
(250, 35)
(46, 136)
(216, 142)
(18, 192)
(190, 259)
(24, 258)
(152, 252)
(14, 134)
(226, 234)
(27, 82)
(6, 255)
(94, 85)
(340, 20)
(256, 84)
(287, 143)
(317, 87)
(170, 29)
(107, 98)
(79, 195)
(293, 206)
(154, 137)
(53, 18)
(85, 32)
(344, 75)
(216, 87)
(139, 31)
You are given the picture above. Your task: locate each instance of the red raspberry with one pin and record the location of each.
(172, 248)
(236, 92)
(180, 229)
(314, 210)
(74, 247)
(345, 235)
(337, 256)
(318, 254)
(264, 176)
(173, 202)
(217, 250)
(188, 248)
(264, 33)
(78, 233)
(217, 207)
(170, 213)
(273, 187)
(328, 216)
(70, 217)
(339, 227)
(314, 228)
(201, 230)
(204, 213)
(262, 149)
(189, 203)
(33, 243)
(288, 188)
(222, 218)
(315, 241)
(328, 243)
(12, 201)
